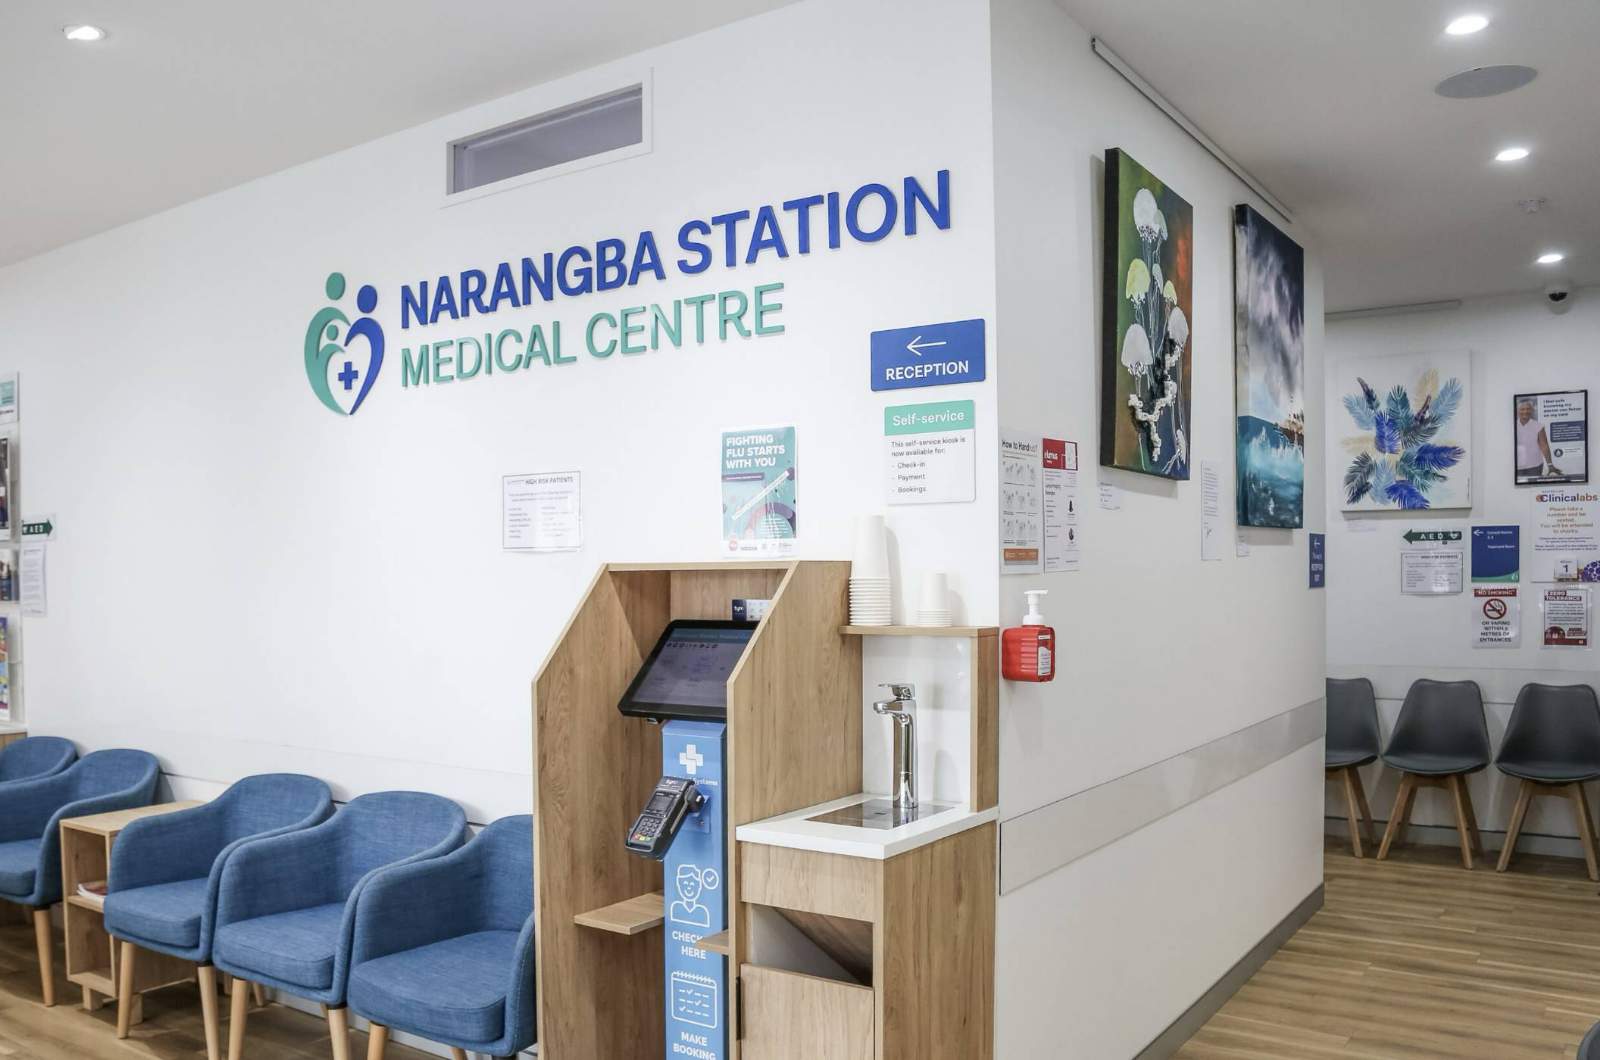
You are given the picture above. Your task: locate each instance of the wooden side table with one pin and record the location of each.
(91, 953)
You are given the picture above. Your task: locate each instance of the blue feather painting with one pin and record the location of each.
(1411, 449)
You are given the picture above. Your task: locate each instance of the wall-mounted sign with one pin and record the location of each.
(759, 492)
(1038, 504)
(1551, 437)
(930, 453)
(1566, 535)
(39, 527)
(1496, 616)
(1061, 529)
(1565, 618)
(541, 513)
(1413, 537)
(928, 355)
(1317, 548)
(1431, 572)
(1496, 553)
(8, 399)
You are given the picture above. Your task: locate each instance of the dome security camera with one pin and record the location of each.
(1558, 296)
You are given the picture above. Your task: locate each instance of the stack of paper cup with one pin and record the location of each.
(871, 596)
(935, 607)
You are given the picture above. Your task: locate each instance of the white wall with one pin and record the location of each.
(244, 581)
(1518, 346)
(1159, 652)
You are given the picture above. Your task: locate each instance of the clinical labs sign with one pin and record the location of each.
(928, 355)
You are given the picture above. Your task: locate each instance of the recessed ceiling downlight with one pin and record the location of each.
(84, 34)
(1511, 154)
(1552, 257)
(1485, 81)
(1466, 25)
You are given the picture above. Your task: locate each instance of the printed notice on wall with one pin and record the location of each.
(8, 399)
(1496, 616)
(1565, 618)
(1566, 535)
(541, 513)
(1021, 503)
(1061, 527)
(1211, 535)
(31, 576)
(1432, 571)
(760, 501)
(930, 453)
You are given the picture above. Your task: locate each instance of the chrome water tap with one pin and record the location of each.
(905, 742)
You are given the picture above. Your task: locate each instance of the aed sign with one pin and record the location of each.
(928, 355)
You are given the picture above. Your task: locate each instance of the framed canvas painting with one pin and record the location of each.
(1269, 356)
(1145, 326)
(1407, 434)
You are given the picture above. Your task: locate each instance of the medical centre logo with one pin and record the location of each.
(355, 348)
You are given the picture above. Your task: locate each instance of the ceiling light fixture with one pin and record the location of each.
(84, 34)
(1553, 257)
(1466, 25)
(1512, 154)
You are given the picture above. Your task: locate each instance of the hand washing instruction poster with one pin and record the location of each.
(758, 492)
(1038, 504)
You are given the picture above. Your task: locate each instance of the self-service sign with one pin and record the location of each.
(928, 355)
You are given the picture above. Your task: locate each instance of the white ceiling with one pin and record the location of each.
(1331, 106)
(187, 97)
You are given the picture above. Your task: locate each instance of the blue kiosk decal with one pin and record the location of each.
(694, 872)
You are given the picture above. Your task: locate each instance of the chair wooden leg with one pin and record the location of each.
(1580, 806)
(1352, 810)
(1361, 801)
(47, 964)
(130, 962)
(1472, 820)
(208, 1011)
(238, 1012)
(1400, 814)
(1514, 829)
(457, 1054)
(1460, 797)
(339, 1029)
(258, 994)
(377, 1041)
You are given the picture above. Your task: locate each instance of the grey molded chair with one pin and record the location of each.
(1353, 741)
(1552, 745)
(1589, 1048)
(1439, 739)
(33, 757)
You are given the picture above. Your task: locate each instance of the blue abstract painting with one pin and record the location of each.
(1413, 427)
(1269, 372)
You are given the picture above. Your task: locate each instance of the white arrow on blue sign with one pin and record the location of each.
(928, 355)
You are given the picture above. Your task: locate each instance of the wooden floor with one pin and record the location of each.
(171, 1029)
(1417, 957)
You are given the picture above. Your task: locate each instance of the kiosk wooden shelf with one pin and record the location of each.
(794, 740)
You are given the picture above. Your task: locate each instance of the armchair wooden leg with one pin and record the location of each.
(377, 1041)
(1462, 798)
(1580, 805)
(130, 959)
(339, 1029)
(47, 965)
(1400, 814)
(1514, 829)
(238, 1012)
(457, 1054)
(258, 993)
(208, 1011)
(1352, 810)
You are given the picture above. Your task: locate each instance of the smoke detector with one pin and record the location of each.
(1533, 205)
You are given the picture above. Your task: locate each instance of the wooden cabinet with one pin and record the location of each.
(788, 1014)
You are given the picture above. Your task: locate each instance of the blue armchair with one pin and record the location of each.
(35, 756)
(166, 871)
(30, 830)
(444, 948)
(286, 907)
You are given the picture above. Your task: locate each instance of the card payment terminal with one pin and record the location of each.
(674, 799)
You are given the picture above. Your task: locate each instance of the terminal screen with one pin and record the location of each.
(687, 674)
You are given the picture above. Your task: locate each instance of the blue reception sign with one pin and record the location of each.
(1496, 553)
(1319, 560)
(929, 355)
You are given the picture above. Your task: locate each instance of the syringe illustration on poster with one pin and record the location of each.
(759, 490)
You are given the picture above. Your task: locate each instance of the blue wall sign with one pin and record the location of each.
(1319, 560)
(1496, 553)
(694, 873)
(929, 355)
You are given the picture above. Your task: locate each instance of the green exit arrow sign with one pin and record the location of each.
(39, 528)
(1413, 536)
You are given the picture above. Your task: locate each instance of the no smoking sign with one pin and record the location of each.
(1494, 609)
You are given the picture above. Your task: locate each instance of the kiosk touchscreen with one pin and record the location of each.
(684, 683)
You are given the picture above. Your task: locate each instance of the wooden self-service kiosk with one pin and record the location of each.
(841, 942)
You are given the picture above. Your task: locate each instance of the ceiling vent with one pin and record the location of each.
(1485, 81)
